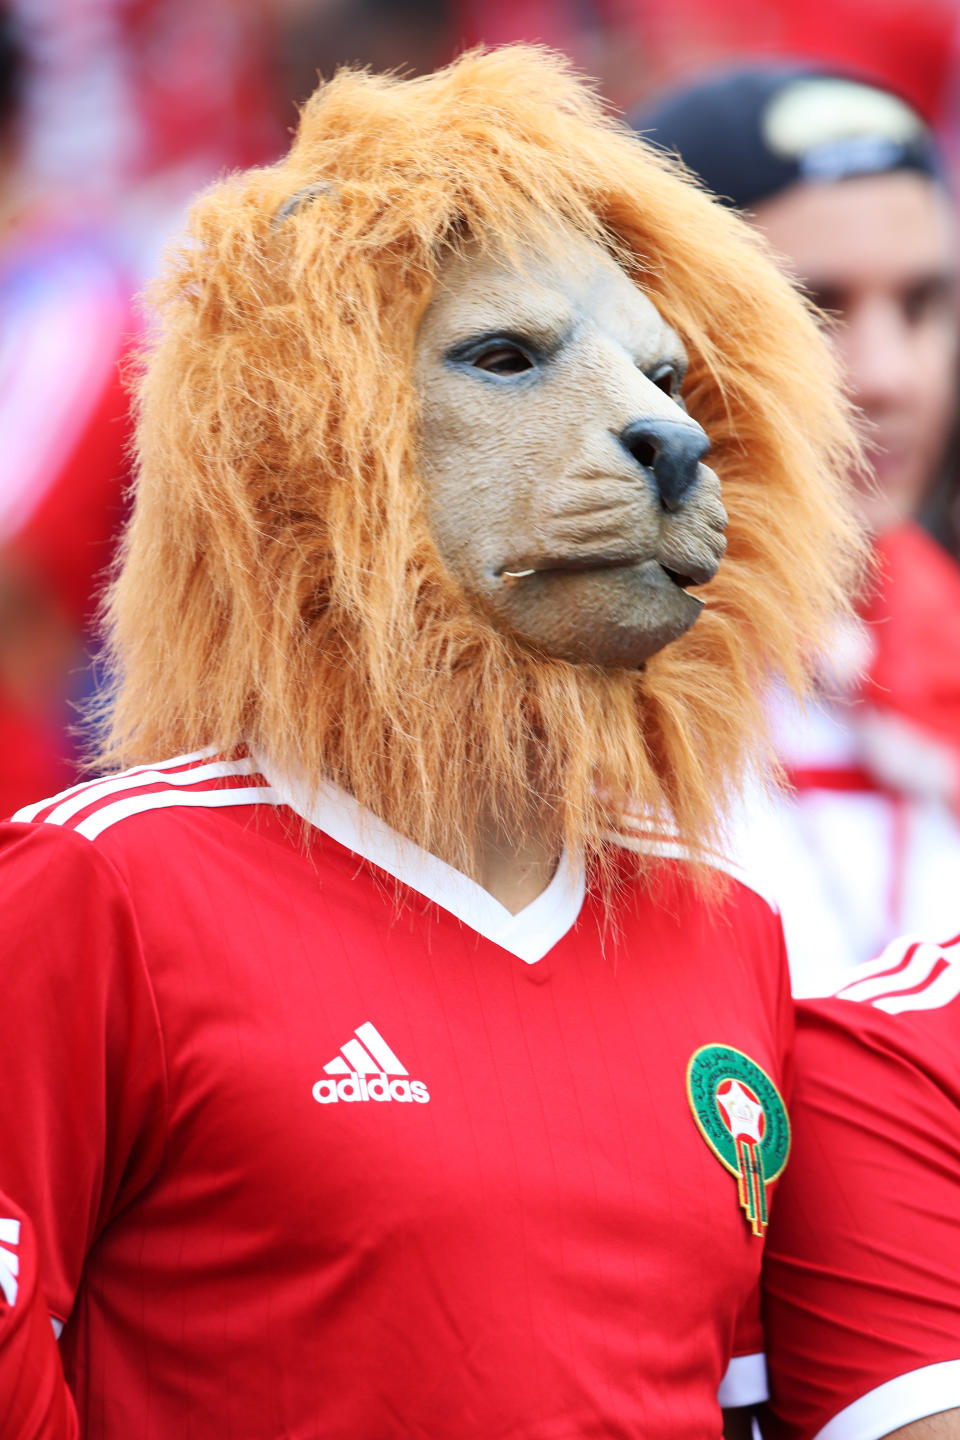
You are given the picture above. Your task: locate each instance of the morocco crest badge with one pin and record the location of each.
(741, 1116)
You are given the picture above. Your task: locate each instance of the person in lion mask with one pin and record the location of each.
(405, 1057)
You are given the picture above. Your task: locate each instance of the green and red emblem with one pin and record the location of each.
(741, 1116)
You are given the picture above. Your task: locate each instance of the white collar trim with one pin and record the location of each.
(529, 935)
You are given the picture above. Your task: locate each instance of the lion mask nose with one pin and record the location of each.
(671, 451)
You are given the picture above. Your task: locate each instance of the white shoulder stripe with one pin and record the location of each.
(886, 960)
(114, 784)
(29, 812)
(940, 991)
(108, 815)
(917, 969)
(928, 980)
(894, 951)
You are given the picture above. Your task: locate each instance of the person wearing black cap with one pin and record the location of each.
(862, 1266)
(879, 252)
(846, 182)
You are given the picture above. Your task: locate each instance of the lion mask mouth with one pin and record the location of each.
(690, 565)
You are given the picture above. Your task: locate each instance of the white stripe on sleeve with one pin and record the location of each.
(944, 988)
(745, 1382)
(115, 784)
(9, 1270)
(914, 1396)
(916, 970)
(30, 812)
(108, 815)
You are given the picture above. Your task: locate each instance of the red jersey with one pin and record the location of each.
(318, 1139)
(862, 1272)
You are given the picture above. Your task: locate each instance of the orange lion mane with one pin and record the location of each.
(279, 585)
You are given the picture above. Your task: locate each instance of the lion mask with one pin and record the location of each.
(291, 577)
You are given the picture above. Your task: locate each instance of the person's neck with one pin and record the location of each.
(515, 870)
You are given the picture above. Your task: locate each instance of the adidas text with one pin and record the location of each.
(381, 1087)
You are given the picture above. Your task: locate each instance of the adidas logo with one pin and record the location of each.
(370, 1071)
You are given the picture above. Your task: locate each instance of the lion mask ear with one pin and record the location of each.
(300, 198)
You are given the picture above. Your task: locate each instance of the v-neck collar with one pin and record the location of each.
(530, 934)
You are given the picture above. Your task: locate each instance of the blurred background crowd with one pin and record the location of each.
(113, 113)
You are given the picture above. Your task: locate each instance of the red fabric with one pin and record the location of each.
(914, 615)
(853, 778)
(862, 1271)
(501, 22)
(537, 1242)
(201, 77)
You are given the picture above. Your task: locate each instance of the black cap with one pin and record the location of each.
(753, 131)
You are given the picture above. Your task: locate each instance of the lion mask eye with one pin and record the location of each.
(503, 358)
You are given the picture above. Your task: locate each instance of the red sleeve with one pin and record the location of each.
(35, 1403)
(746, 1381)
(862, 1269)
(83, 1079)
